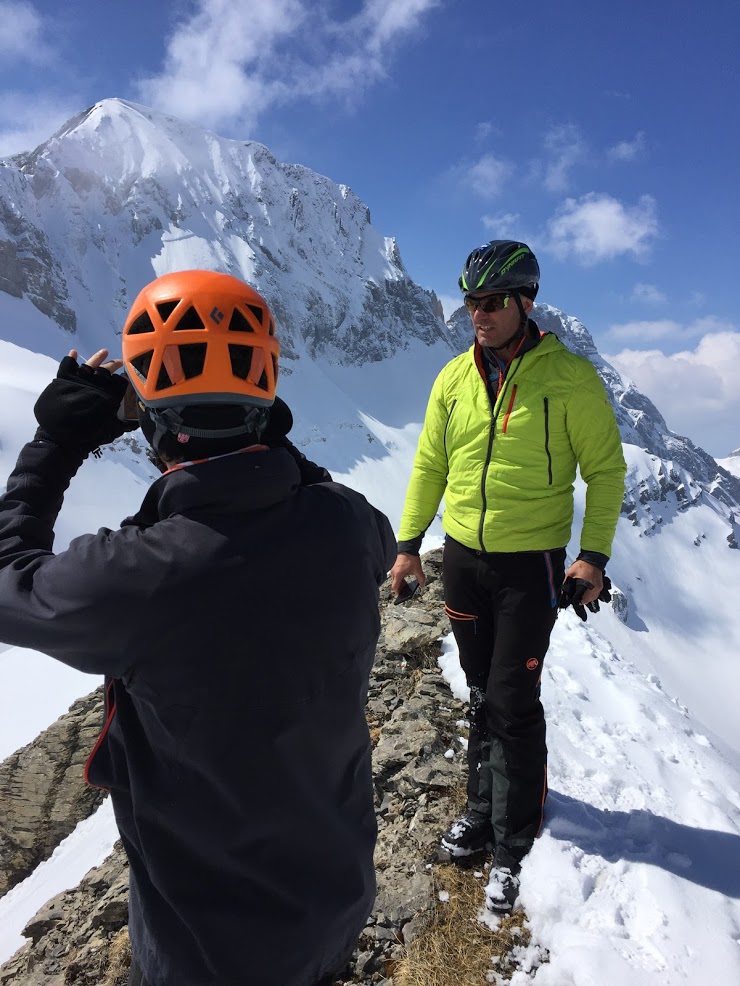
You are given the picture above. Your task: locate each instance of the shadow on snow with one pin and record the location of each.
(706, 857)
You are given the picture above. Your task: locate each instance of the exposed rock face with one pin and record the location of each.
(71, 935)
(28, 267)
(413, 721)
(43, 792)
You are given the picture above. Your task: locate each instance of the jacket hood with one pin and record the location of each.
(234, 483)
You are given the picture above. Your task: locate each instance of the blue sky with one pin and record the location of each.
(607, 137)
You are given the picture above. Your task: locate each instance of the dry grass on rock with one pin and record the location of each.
(119, 959)
(457, 949)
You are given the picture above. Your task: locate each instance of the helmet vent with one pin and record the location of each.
(272, 328)
(193, 359)
(190, 320)
(241, 360)
(166, 308)
(141, 323)
(163, 380)
(142, 363)
(239, 323)
(258, 313)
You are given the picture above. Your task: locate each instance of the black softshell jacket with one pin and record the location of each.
(235, 618)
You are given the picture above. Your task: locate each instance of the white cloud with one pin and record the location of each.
(28, 117)
(27, 120)
(488, 175)
(627, 150)
(504, 225)
(483, 131)
(564, 148)
(21, 30)
(485, 177)
(599, 227)
(696, 390)
(651, 331)
(648, 293)
(231, 61)
(386, 19)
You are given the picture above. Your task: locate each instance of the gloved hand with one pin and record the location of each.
(78, 408)
(572, 592)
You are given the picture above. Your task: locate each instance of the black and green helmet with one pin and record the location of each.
(501, 265)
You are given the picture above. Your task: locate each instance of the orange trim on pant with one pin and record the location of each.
(454, 615)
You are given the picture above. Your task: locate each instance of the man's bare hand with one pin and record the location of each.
(405, 566)
(589, 573)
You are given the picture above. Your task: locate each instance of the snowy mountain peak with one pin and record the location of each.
(121, 194)
(117, 140)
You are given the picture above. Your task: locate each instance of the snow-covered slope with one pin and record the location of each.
(635, 877)
(731, 463)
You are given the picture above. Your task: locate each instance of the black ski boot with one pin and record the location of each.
(470, 833)
(503, 882)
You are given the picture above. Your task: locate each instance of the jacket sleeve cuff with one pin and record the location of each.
(593, 558)
(73, 452)
(410, 547)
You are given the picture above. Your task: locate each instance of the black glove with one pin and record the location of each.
(573, 590)
(78, 409)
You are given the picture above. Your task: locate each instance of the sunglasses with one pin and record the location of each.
(488, 304)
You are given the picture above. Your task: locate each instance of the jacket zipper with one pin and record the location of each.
(491, 433)
(547, 441)
(110, 711)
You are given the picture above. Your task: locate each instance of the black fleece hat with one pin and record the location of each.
(217, 417)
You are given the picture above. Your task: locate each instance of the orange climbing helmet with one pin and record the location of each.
(199, 337)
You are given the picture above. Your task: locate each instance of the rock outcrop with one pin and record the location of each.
(43, 792)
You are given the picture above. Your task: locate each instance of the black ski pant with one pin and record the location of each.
(502, 607)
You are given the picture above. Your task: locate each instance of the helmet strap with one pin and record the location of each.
(170, 420)
(523, 317)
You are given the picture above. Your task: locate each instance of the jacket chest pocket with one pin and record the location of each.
(529, 431)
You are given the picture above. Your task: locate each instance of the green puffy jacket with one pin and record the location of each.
(507, 474)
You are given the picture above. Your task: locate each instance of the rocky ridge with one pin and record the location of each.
(43, 790)
(418, 762)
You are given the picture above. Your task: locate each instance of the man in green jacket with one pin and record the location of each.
(506, 425)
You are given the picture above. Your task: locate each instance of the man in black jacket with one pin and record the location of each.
(235, 746)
